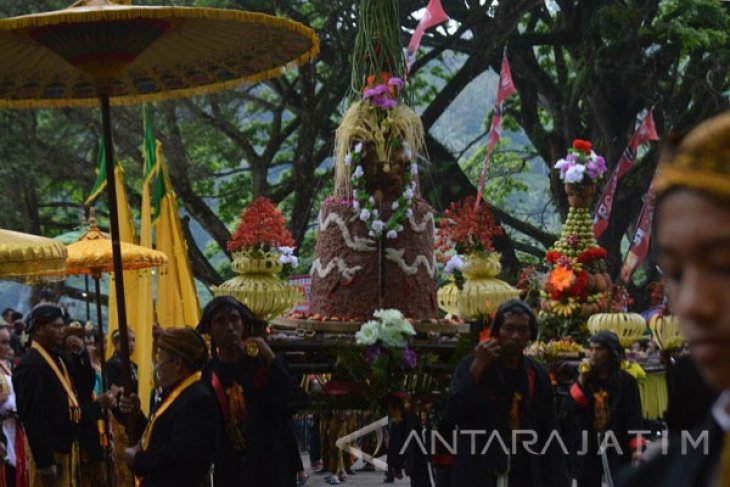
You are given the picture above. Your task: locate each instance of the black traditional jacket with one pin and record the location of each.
(43, 405)
(253, 447)
(488, 406)
(182, 442)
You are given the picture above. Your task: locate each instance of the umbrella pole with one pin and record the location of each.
(102, 361)
(88, 301)
(111, 188)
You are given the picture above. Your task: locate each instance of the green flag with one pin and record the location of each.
(100, 183)
(153, 173)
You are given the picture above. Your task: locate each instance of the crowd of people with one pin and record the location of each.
(220, 414)
(222, 409)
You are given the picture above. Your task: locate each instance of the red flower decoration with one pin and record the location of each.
(592, 254)
(579, 289)
(583, 146)
(552, 256)
(466, 229)
(262, 224)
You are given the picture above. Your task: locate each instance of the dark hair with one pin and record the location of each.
(610, 341)
(220, 303)
(7, 310)
(515, 307)
(15, 316)
(43, 314)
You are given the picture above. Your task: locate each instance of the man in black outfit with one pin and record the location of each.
(179, 438)
(256, 398)
(50, 400)
(498, 390)
(606, 401)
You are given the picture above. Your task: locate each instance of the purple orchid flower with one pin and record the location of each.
(410, 357)
(372, 354)
(383, 102)
(374, 92)
(396, 81)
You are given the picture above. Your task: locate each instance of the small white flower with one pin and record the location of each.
(376, 212)
(562, 164)
(409, 194)
(409, 213)
(407, 153)
(358, 173)
(354, 193)
(364, 214)
(394, 206)
(414, 168)
(413, 185)
(356, 204)
(371, 233)
(368, 333)
(377, 226)
(391, 234)
(575, 174)
(455, 263)
(286, 250)
(348, 159)
(400, 228)
(358, 147)
(371, 200)
(294, 261)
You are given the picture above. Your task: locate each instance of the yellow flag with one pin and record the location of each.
(177, 300)
(138, 300)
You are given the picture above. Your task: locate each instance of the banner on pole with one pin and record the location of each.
(645, 133)
(640, 244)
(433, 16)
(505, 90)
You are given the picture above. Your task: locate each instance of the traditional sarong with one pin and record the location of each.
(68, 465)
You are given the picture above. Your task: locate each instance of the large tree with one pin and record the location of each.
(584, 68)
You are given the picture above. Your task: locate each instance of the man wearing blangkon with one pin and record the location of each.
(693, 239)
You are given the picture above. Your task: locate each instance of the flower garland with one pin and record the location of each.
(365, 203)
(581, 165)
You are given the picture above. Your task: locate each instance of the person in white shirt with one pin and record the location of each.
(15, 469)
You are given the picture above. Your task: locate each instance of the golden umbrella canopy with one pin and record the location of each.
(24, 255)
(137, 54)
(92, 254)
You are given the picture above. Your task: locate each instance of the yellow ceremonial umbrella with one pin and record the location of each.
(98, 52)
(23, 255)
(92, 255)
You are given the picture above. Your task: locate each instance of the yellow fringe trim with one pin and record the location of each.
(121, 12)
(712, 182)
(361, 124)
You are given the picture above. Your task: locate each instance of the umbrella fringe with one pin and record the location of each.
(80, 14)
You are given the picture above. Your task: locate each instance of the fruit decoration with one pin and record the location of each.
(577, 284)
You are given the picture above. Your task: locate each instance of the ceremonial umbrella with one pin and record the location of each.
(98, 52)
(27, 256)
(71, 237)
(92, 255)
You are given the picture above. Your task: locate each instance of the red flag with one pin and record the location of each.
(640, 244)
(506, 88)
(645, 133)
(433, 16)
